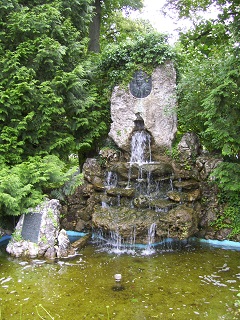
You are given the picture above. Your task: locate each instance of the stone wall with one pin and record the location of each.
(187, 210)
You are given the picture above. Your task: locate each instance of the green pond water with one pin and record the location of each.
(191, 283)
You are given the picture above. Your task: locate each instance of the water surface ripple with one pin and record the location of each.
(193, 283)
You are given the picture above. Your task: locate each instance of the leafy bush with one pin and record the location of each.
(227, 176)
(146, 51)
(25, 185)
(74, 179)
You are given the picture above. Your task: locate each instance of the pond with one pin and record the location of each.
(192, 282)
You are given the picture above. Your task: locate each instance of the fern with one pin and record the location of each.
(25, 185)
(227, 176)
(73, 180)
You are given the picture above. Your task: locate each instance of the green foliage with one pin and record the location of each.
(209, 98)
(228, 10)
(227, 176)
(103, 21)
(47, 100)
(208, 77)
(221, 109)
(145, 51)
(231, 214)
(208, 91)
(73, 180)
(24, 185)
(229, 219)
(111, 5)
(119, 27)
(17, 236)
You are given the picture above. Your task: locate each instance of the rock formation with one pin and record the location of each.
(157, 111)
(43, 240)
(173, 195)
(126, 193)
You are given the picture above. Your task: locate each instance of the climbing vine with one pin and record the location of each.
(119, 61)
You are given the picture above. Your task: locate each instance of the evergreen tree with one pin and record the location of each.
(47, 102)
(103, 11)
(209, 94)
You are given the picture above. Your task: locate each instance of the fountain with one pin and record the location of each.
(140, 148)
(151, 236)
(136, 185)
(139, 189)
(140, 199)
(135, 198)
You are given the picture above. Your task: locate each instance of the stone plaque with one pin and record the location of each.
(31, 226)
(141, 85)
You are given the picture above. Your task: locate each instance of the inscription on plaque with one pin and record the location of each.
(141, 85)
(31, 226)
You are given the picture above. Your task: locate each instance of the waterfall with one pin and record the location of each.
(141, 147)
(148, 188)
(140, 154)
(133, 237)
(111, 179)
(151, 237)
(115, 241)
(151, 234)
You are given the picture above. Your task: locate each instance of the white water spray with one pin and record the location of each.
(141, 147)
(111, 179)
(151, 237)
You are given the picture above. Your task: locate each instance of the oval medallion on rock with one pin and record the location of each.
(141, 85)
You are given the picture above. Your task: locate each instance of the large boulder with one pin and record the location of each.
(189, 147)
(157, 111)
(40, 236)
(180, 222)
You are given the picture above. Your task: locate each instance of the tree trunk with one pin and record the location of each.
(94, 28)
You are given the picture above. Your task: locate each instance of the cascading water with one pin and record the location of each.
(151, 236)
(140, 154)
(115, 241)
(145, 191)
(111, 179)
(141, 147)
